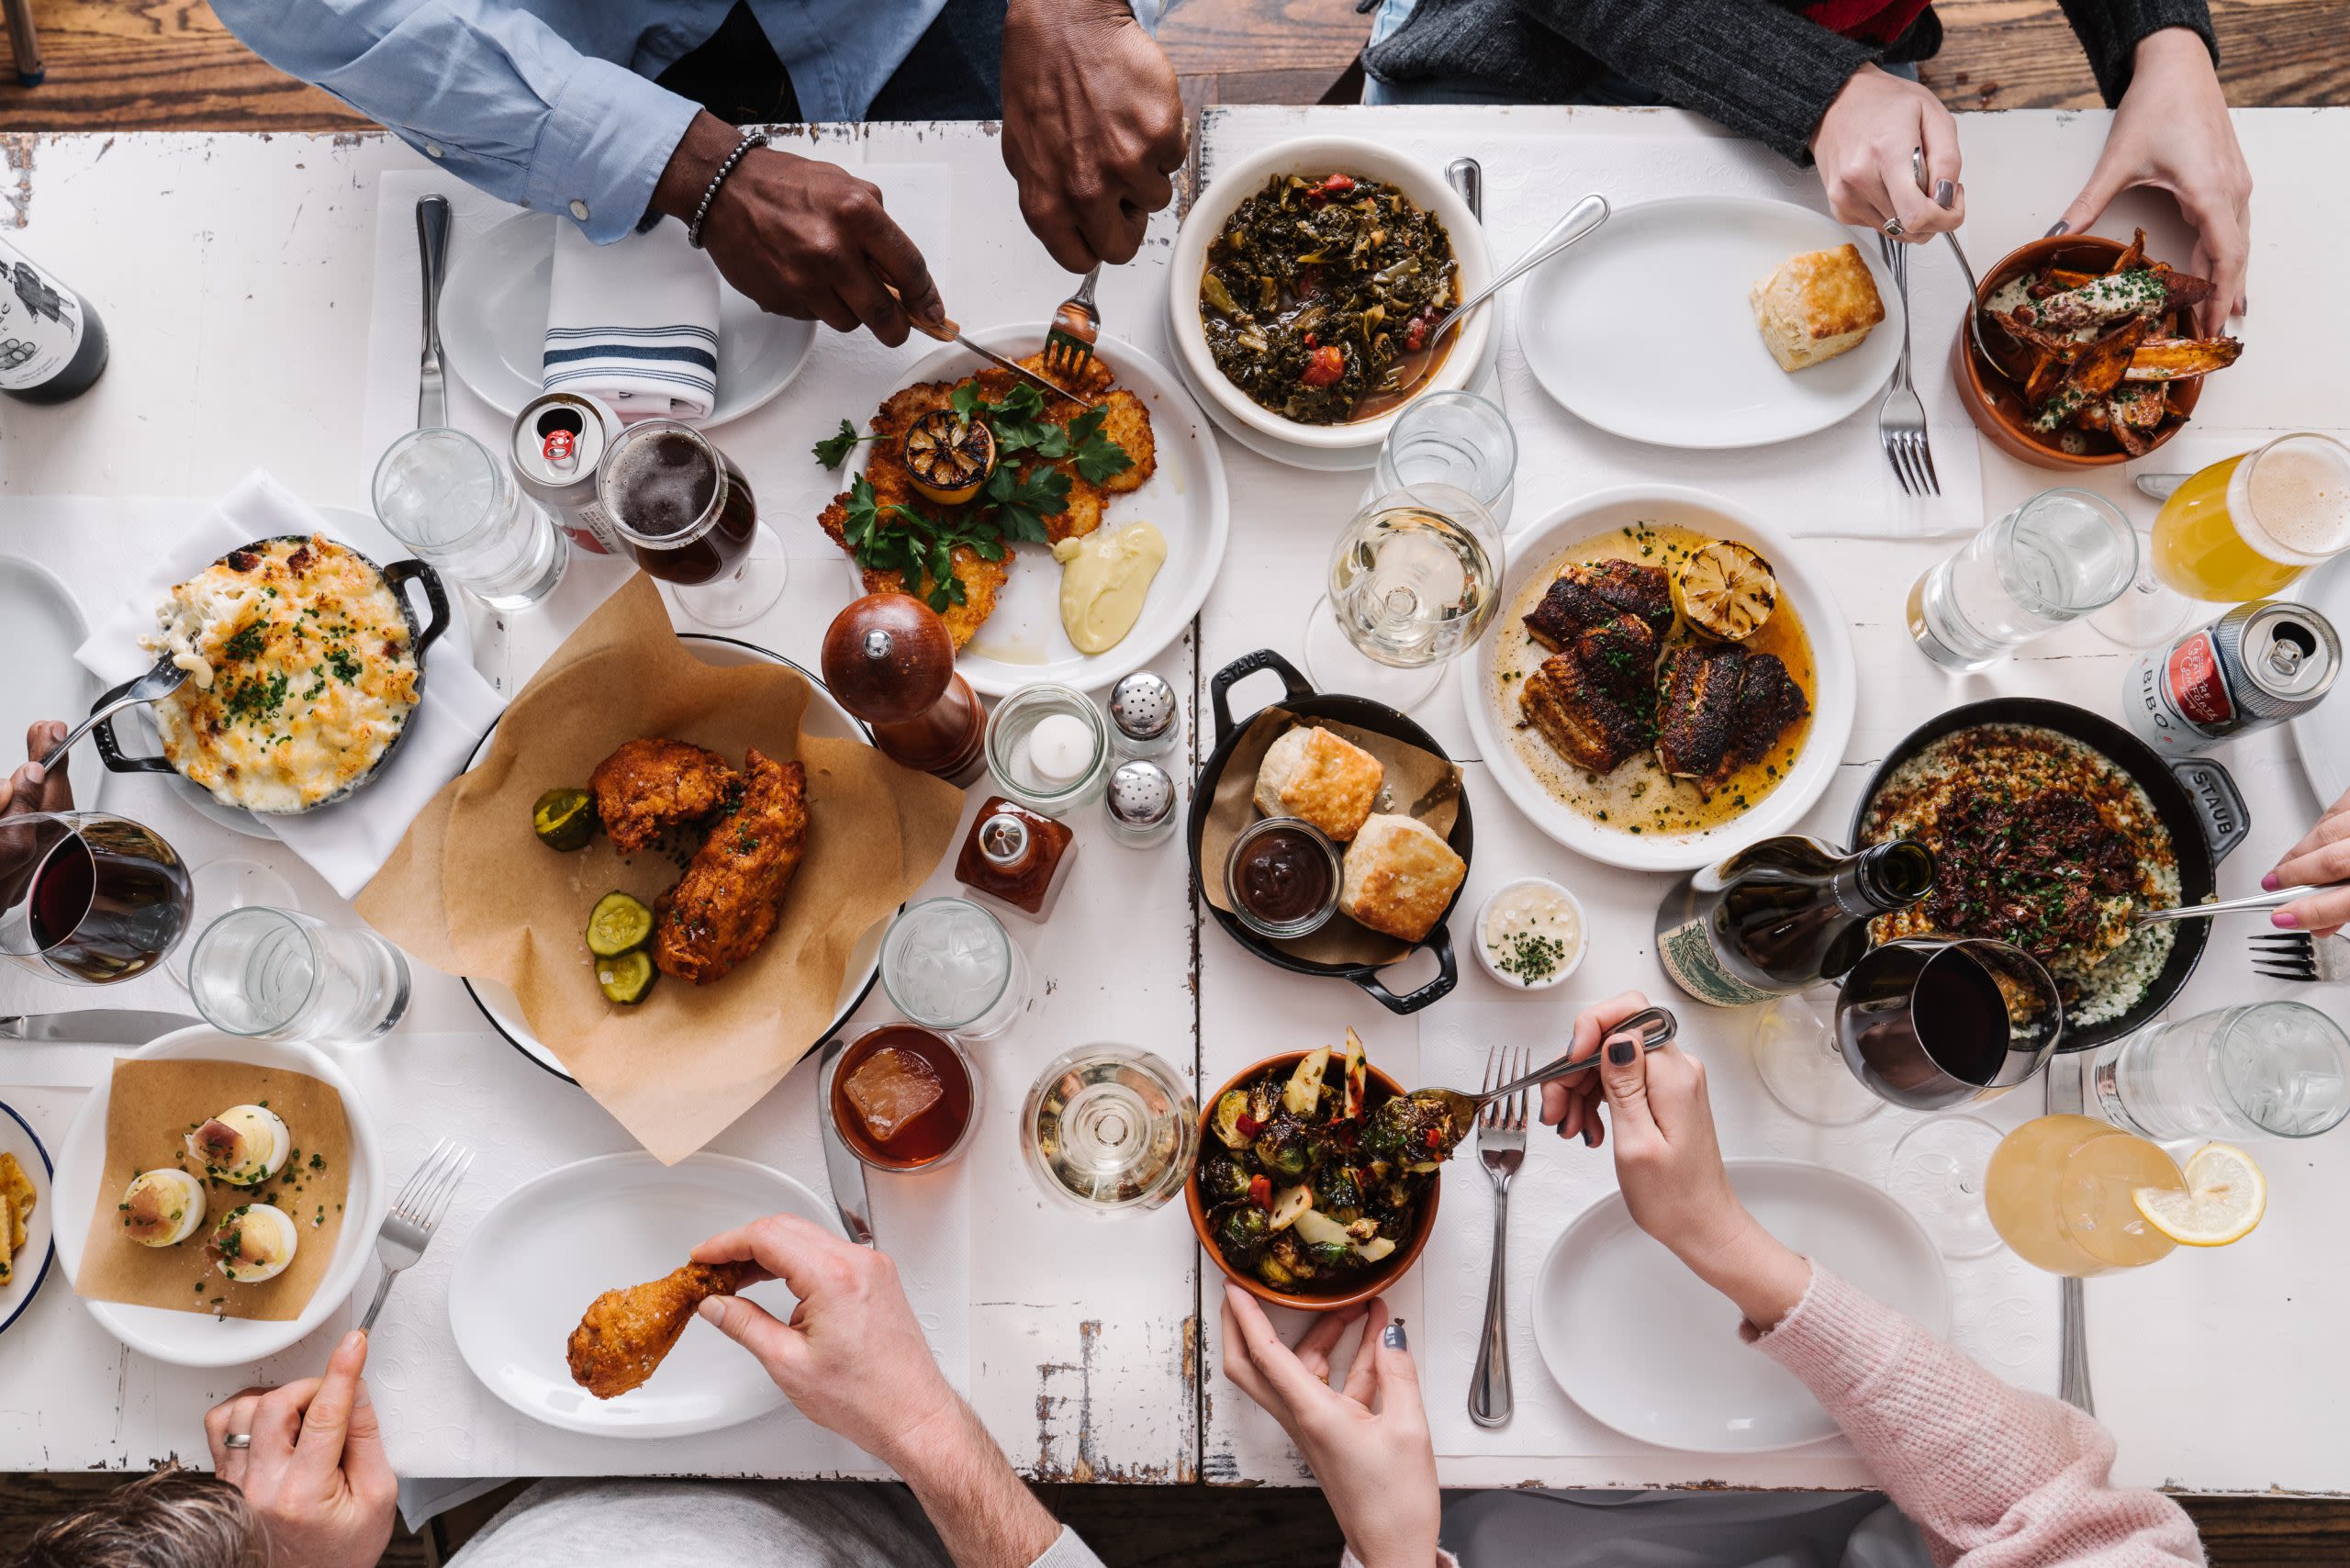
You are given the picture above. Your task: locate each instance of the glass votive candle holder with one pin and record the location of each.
(1048, 748)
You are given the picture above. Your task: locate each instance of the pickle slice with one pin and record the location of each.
(564, 818)
(619, 925)
(627, 978)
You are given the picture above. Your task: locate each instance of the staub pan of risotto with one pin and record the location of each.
(2051, 827)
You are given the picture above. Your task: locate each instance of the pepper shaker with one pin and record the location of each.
(888, 659)
(1140, 803)
(1148, 720)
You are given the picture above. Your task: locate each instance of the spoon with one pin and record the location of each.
(1653, 1026)
(154, 687)
(1975, 311)
(1580, 219)
(2233, 906)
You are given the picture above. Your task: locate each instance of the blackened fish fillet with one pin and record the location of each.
(1583, 723)
(1693, 717)
(1584, 595)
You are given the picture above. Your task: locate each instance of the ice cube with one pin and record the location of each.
(891, 1089)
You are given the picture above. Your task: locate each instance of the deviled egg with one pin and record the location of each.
(162, 1208)
(243, 1146)
(254, 1243)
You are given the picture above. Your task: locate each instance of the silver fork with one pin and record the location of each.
(1901, 419)
(1076, 326)
(1501, 1146)
(408, 1228)
(2298, 955)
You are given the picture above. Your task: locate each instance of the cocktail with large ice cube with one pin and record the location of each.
(903, 1098)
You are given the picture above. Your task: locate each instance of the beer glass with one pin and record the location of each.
(442, 493)
(2249, 526)
(688, 517)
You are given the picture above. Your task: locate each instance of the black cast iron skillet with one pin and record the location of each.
(2196, 800)
(1361, 711)
(396, 576)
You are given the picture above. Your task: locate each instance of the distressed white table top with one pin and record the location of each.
(236, 273)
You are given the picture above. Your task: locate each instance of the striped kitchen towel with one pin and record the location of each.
(634, 322)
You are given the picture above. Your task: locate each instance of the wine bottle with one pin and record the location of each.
(52, 345)
(1781, 915)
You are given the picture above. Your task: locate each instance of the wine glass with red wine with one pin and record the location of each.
(89, 898)
(691, 520)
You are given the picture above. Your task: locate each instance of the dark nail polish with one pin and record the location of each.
(1591, 1135)
(1945, 192)
(1392, 1336)
(2054, 229)
(2271, 882)
(1622, 1052)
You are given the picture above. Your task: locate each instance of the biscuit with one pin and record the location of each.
(1817, 306)
(1399, 877)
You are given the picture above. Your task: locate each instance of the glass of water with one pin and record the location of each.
(276, 974)
(440, 493)
(2052, 560)
(2269, 1067)
(1450, 437)
(950, 965)
(1110, 1128)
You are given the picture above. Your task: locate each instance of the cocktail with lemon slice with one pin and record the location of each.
(2076, 1195)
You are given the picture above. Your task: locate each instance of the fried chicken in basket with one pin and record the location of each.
(648, 785)
(731, 894)
(623, 1334)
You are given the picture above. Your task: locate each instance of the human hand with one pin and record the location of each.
(802, 237)
(316, 1473)
(2323, 856)
(1572, 1104)
(32, 788)
(2173, 132)
(1367, 1442)
(1866, 147)
(852, 1359)
(1092, 126)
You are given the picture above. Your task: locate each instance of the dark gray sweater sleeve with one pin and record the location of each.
(1760, 70)
(2110, 30)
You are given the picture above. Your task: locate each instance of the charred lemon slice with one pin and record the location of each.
(949, 457)
(1726, 590)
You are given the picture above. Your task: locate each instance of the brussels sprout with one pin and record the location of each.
(1336, 1191)
(1276, 1273)
(1223, 1179)
(1229, 1110)
(1330, 1257)
(1412, 1129)
(1264, 1101)
(1287, 1149)
(1240, 1232)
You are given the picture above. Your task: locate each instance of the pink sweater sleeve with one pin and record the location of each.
(1994, 1477)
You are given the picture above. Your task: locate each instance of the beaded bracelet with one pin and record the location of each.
(710, 193)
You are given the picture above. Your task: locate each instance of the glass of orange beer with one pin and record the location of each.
(2249, 526)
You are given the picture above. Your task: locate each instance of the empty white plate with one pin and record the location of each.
(557, 1242)
(2320, 735)
(32, 1264)
(494, 325)
(1647, 1348)
(40, 625)
(1645, 330)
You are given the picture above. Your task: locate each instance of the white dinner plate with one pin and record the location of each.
(2322, 734)
(1535, 549)
(40, 625)
(494, 325)
(1647, 1348)
(32, 1264)
(825, 717)
(1023, 641)
(560, 1240)
(196, 1339)
(1645, 329)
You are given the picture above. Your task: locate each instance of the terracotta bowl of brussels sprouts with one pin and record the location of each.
(1318, 1178)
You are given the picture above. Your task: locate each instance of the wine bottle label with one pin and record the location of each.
(1689, 958)
(41, 323)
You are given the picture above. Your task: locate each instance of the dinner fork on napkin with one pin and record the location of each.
(634, 322)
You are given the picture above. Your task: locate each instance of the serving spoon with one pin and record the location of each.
(1975, 308)
(158, 683)
(1580, 219)
(1653, 1026)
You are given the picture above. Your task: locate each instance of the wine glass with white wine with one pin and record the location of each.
(1415, 579)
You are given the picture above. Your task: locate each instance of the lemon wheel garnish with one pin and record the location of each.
(1726, 590)
(2225, 1197)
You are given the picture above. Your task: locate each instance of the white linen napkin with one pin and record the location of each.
(348, 842)
(634, 322)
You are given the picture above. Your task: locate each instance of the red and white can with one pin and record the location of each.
(560, 439)
(2258, 664)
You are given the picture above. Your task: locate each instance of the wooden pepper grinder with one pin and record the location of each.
(891, 661)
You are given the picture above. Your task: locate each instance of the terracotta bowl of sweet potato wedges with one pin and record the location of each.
(2119, 395)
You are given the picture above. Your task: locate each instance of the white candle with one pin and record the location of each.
(1060, 748)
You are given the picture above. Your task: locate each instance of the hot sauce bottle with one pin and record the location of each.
(1016, 858)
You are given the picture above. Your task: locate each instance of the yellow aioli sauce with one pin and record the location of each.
(1639, 797)
(1105, 578)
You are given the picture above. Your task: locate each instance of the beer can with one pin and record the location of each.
(2258, 664)
(560, 439)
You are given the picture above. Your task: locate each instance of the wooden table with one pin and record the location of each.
(240, 276)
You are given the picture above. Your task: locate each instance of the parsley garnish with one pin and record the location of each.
(899, 539)
(833, 450)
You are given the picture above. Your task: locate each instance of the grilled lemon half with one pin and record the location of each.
(1726, 590)
(949, 457)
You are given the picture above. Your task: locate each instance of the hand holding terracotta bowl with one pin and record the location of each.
(1360, 1286)
(1995, 402)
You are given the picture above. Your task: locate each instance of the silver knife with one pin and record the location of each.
(841, 1163)
(96, 1025)
(945, 331)
(432, 248)
(2063, 1088)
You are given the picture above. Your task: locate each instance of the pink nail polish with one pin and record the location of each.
(2285, 918)
(2271, 882)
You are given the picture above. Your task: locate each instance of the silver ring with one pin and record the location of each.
(238, 1441)
(1893, 228)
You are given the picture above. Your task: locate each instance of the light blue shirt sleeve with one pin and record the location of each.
(488, 90)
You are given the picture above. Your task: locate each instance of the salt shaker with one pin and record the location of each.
(1140, 803)
(1149, 721)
